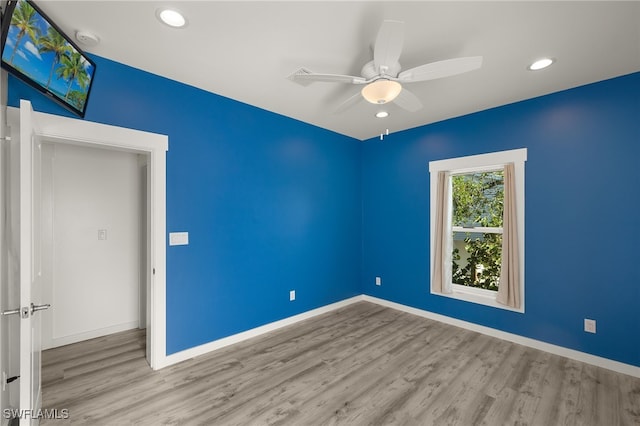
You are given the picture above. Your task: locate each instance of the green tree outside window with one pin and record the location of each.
(478, 200)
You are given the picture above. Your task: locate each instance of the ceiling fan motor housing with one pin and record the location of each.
(369, 70)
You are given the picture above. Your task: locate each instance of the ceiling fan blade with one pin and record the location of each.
(348, 103)
(305, 77)
(440, 69)
(388, 47)
(407, 100)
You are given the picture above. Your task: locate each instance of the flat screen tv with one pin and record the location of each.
(36, 51)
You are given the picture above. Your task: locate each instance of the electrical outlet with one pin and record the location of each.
(589, 325)
(292, 295)
(378, 281)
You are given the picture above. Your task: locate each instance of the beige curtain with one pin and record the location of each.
(441, 280)
(509, 288)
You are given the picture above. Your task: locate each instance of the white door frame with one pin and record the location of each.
(57, 129)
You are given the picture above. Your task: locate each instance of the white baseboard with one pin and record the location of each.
(254, 332)
(609, 364)
(74, 338)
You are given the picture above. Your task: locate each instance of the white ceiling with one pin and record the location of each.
(245, 50)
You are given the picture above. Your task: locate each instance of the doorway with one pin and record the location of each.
(94, 242)
(52, 129)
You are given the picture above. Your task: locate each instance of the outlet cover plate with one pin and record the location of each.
(589, 325)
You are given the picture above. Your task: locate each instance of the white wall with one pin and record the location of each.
(93, 284)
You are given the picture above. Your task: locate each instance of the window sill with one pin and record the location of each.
(477, 296)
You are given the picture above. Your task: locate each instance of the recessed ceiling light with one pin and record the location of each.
(382, 114)
(540, 64)
(171, 17)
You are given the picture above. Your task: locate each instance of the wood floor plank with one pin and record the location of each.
(530, 390)
(513, 360)
(547, 409)
(390, 390)
(501, 408)
(360, 365)
(349, 355)
(270, 364)
(311, 401)
(570, 391)
(629, 388)
(66, 354)
(606, 396)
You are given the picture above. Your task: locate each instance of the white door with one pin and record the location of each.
(30, 274)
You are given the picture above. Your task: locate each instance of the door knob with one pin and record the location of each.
(36, 308)
(25, 312)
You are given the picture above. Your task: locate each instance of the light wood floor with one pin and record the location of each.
(360, 365)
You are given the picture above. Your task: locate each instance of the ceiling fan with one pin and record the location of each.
(382, 77)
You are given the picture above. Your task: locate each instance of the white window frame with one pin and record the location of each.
(478, 163)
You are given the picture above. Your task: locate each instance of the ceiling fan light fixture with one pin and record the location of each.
(381, 91)
(171, 17)
(540, 64)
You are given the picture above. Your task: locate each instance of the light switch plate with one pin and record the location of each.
(178, 238)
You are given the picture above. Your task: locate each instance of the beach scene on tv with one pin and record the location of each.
(36, 49)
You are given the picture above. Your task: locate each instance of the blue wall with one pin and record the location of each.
(582, 198)
(271, 204)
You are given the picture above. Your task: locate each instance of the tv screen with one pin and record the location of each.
(36, 51)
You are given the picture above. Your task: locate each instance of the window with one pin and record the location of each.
(477, 216)
(477, 246)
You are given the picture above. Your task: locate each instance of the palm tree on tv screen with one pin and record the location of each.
(55, 43)
(72, 68)
(24, 18)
